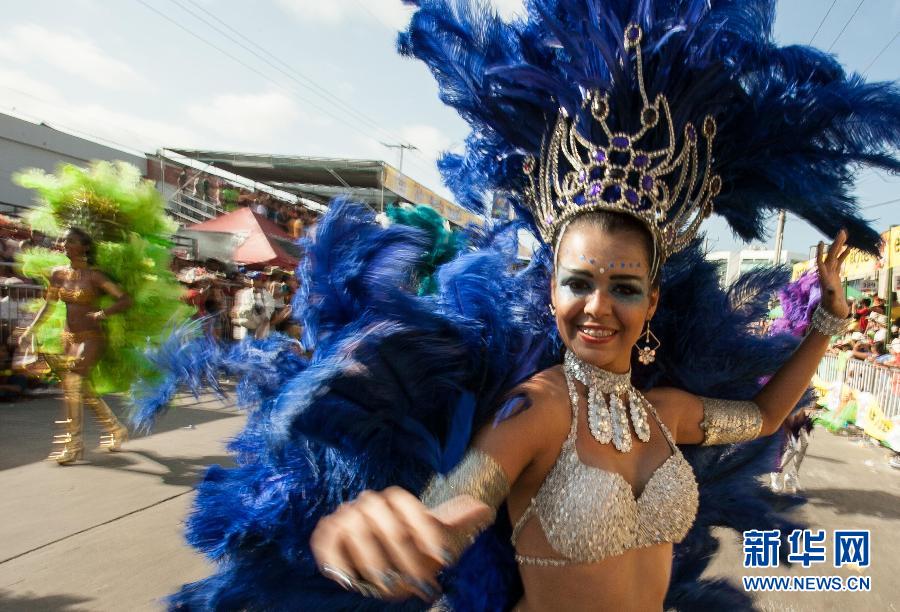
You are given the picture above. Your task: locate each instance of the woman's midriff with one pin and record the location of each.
(77, 320)
(84, 338)
(635, 580)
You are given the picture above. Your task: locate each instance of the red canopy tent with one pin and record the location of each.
(265, 242)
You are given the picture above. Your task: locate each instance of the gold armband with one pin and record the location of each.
(52, 294)
(477, 475)
(729, 421)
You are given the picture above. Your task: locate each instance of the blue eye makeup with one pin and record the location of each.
(628, 292)
(576, 285)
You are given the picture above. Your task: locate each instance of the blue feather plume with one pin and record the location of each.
(793, 126)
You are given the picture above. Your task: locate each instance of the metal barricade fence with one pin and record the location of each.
(881, 381)
(16, 307)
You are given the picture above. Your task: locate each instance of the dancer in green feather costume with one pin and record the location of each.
(117, 283)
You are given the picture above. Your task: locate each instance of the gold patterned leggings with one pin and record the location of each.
(83, 350)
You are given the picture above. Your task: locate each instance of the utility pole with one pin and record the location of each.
(400, 146)
(779, 237)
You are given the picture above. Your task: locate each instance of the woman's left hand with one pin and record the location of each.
(829, 266)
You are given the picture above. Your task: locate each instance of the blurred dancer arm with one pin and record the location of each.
(42, 313)
(392, 544)
(710, 421)
(123, 300)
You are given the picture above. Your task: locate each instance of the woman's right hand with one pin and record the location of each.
(393, 543)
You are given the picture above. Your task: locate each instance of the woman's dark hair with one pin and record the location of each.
(614, 222)
(86, 241)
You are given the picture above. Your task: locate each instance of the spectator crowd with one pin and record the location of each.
(222, 195)
(867, 338)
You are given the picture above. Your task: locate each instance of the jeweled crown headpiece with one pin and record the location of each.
(670, 191)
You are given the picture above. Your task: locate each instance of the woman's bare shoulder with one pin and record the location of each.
(673, 405)
(547, 396)
(56, 273)
(529, 431)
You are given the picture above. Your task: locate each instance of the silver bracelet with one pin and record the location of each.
(826, 323)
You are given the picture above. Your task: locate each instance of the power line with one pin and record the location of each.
(426, 164)
(288, 71)
(885, 203)
(224, 52)
(883, 49)
(855, 11)
(252, 69)
(53, 124)
(363, 118)
(821, 23)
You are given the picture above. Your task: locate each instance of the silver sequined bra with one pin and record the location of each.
(588, 514)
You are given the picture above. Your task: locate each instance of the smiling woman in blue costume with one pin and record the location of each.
(512, 438)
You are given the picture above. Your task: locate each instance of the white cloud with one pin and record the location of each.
(18, 83)
(74, 55)
(390, 13)
(41, 101)
(248, 118)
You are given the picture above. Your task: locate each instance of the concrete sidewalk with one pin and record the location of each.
(105, 534)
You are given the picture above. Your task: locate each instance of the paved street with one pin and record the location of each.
(105, 535)
(849, 486)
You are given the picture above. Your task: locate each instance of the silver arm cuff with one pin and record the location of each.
(826, 323)
(477, 475)
(729, 421)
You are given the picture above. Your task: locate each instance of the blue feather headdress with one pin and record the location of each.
(791, 125)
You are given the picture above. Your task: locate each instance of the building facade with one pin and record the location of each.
(731, 264)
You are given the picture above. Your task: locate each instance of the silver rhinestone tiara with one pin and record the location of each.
(670, 191)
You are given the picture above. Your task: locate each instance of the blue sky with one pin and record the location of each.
(144, 74)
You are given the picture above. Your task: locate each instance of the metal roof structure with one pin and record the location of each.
(320, 179)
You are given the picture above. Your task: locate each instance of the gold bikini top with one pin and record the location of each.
(72, 296)
(588, 514)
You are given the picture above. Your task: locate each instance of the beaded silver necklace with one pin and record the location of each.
(606, 402)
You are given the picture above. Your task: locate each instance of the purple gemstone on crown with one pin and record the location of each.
(578, 199)
(634, 33)
(641, 160)
(620, 142)
(692, 133)
(632, 196)
(594, 190)
(582, 175)
(549, 219)
(612, 193)
(647, 182)
(600, 155)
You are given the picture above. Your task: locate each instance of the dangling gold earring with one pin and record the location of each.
(647, 353)
(552, 309)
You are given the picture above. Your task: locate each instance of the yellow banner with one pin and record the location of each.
(859, 264)
(800, 267)
(892, 248)
(411, 191)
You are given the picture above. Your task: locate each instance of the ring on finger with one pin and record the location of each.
(349, 583)
(338, 575)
